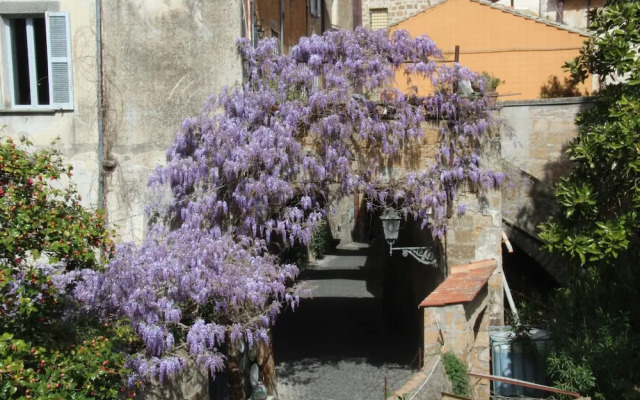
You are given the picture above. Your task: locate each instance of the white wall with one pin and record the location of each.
(77, 129)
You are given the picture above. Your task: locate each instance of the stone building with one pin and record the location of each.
(572, 13)
(464, 299)
(115, 79)
(118, 77)
(521, 50)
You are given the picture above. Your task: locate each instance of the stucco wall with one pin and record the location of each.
(77, 129)
(575, 11)
(521, 51)
(340, 14)
(162, 60)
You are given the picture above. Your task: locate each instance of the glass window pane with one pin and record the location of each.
(20, 55)
(40, 38)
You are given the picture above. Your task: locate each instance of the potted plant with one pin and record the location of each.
(491, 84)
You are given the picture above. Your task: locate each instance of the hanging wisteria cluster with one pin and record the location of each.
(259, 165)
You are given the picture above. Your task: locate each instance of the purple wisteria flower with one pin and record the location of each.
(258, 165)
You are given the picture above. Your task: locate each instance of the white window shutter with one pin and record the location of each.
(59, 57)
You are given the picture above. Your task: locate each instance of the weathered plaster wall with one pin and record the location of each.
(340, 14)
(575, 11)
(77, 129)
(314, 24)
(534, 155)
(162, 60)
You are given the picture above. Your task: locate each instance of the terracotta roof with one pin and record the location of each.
(464, 283)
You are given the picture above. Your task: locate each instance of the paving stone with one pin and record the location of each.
(338, 379)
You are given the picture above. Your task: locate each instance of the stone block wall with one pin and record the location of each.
(464, 330)
(540, 132)
(193, 384)
(477, 235)
(534, 154)
(397, 10)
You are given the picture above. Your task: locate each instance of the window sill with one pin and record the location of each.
(33, 111)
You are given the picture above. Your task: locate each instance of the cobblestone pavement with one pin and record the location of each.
(342, 343)
(338, 349)
(338, 379)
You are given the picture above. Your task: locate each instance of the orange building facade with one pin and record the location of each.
(521, 50)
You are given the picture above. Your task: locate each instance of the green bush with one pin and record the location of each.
(492, 82)
(457, 373)
(554, 88)
(321, 240)
(48, 349)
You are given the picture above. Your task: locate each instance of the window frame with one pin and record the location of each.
(61, 60)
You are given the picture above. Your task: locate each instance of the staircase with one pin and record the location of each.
(348, 271)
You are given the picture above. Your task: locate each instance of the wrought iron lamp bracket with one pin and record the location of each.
(423, 255)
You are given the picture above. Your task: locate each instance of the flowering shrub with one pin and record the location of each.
(251, 174)
(47, 349)
(83, 366)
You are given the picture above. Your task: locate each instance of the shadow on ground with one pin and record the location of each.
(340, 328)
(339, 348)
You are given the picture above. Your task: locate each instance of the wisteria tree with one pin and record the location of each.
(257, 168)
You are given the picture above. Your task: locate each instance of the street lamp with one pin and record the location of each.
(391, 226)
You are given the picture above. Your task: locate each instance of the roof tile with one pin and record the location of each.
(464, 283)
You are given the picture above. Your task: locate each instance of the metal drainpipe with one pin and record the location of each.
(101, 200)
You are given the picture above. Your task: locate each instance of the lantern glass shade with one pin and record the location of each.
(391, 224)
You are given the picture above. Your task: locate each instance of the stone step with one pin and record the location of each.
(344, 262)
(351, 256)
(353, 246)
(345, 288)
